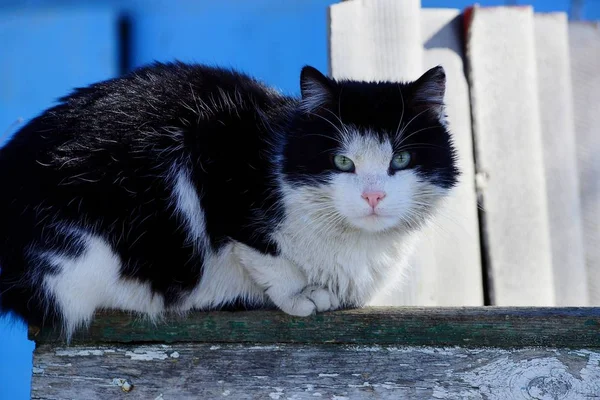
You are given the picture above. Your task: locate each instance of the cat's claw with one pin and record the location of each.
(310, 300)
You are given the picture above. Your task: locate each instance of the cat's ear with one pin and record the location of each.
(316, 89)
(429, 91)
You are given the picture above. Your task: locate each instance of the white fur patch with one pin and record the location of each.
(92, 281)
(223, 278)
(187, 205)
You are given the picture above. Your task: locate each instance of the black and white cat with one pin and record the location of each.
(182, 187)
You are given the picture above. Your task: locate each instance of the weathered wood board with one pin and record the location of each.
(205, 371)
(364, 39)
(584, 39)
(560, 159)
(454, 277)
(508, 155)
(439, 326)
(365, 36)
(383, 353)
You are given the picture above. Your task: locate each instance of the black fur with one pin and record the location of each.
(100, 161)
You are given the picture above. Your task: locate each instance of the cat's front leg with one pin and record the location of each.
(285, 283)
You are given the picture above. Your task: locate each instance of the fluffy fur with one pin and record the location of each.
(183, 187)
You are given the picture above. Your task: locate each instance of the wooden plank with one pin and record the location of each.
(365, 36)
(585, 63)
(454, 277)
(205, 371)
(508, 154)
(449, 326)
(560, 159)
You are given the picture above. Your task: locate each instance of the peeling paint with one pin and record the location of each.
(276, 395)
(82, 352)
(439, 392)
(364, 348)
(263, 348)
(147, 354)
(364, 384)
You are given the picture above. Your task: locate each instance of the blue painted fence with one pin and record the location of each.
(48, 47)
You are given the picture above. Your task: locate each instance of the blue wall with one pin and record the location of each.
(47, 47)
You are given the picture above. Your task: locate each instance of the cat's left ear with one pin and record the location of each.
(316, 89)
(429, 91)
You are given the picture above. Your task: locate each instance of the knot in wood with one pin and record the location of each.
(548, 387)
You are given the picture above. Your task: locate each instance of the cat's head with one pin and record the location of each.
(372, 156)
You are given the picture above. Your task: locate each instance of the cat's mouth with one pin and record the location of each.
(375, 221)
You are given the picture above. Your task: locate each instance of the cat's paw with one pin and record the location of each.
(310, 300)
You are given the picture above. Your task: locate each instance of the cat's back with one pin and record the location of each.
(162, 94)
(107, 148)
(147, 117)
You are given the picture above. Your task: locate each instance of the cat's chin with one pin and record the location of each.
(375, 223)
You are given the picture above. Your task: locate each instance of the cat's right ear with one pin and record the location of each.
(315, 88)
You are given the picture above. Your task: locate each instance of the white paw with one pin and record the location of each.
(312, 299)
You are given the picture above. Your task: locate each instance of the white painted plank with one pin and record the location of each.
(365, 40)
(381, 40)
(506, 125)
(205, 371)
(454, 276)
(585, 67)
(560, 159)
(375, 39)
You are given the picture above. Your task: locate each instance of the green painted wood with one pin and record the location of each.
(413, 326)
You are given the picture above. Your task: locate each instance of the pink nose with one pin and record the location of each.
(373, 198)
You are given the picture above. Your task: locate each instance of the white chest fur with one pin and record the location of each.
(352, 264)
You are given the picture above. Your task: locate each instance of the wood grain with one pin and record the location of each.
(509, 158)
(204, 371)
(444, 326)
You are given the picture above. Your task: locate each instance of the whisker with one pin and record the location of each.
(411, 120)
(401, 115)
(403, 139)
(328, 121)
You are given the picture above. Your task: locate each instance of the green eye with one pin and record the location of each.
(343, 163)
(401, 160)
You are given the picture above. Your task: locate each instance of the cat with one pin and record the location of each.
(185, 186)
